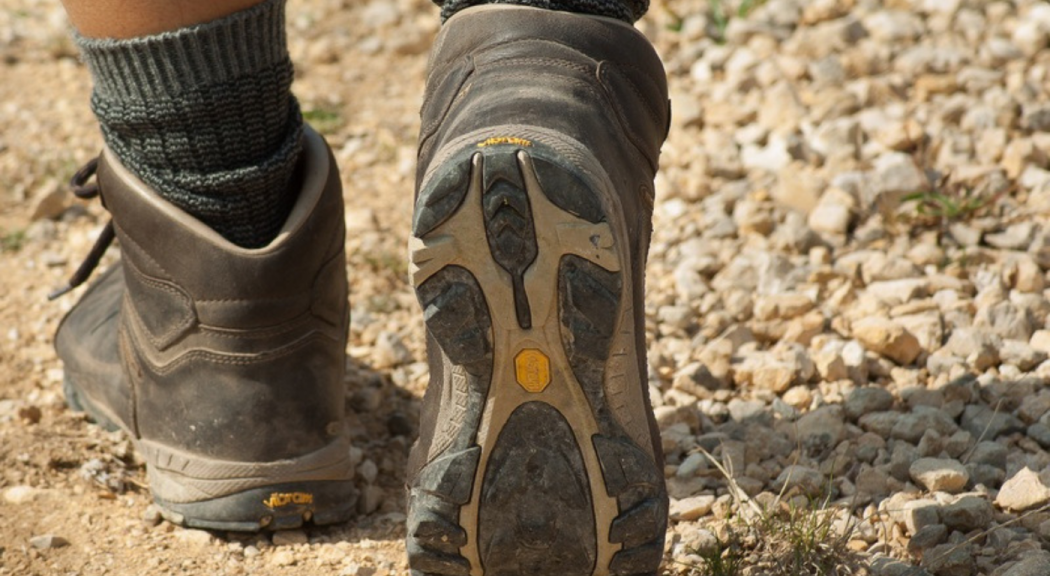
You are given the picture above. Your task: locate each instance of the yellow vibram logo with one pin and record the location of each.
(533, 370)
(278, 499)
(505, 140)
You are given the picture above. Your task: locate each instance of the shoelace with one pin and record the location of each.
(81, 189)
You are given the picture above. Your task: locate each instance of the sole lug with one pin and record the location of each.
(454, 310)
(429, 562)
(536, 511)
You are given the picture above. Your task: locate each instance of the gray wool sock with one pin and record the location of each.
(205, 116)
(627, 10)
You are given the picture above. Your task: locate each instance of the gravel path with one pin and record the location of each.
(847, 304)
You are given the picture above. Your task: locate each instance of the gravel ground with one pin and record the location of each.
(847, 304)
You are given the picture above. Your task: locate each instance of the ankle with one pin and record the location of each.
(205, 116)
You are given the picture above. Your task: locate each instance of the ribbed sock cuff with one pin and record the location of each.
(238, 45)
(206, 117)
(627, 10)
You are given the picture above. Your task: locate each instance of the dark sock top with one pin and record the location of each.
(205, 116)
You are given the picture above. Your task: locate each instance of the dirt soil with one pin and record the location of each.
(87, 485)
(784, 278)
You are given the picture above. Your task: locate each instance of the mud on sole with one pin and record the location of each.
(539, 464)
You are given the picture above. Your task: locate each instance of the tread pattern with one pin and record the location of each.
(589, 297)
(587, 294)
(443, 199)
(508, 225)
(434, 534)
(631, 477)
(456, 314)
(492, 226)
(568, 191)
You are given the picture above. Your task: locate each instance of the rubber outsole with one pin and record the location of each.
(253, 510)
(280, 506)
(538, 464)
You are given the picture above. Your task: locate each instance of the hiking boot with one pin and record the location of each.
(224, 365)
(538, 451)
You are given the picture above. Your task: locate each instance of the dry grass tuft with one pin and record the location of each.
(782, 537)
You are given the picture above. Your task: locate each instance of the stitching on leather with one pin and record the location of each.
(213, 469)
(136, 318)
(127, 356)
(333, 267)
(445, 73)
(226, 360)
(130, 264)
(427, 131)
(127, 239)
(188, 316)
(561, 63)
(642, 71)
(275, 298)
(258, 333)
(587, 86)
(624, 128)
(235, 300)
(572, 49)
(321, 270)
(614, 69)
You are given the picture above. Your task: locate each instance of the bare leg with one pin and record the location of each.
(131, 18)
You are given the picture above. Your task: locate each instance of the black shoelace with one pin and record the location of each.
(81, 189)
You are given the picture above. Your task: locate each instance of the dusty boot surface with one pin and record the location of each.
(538, 453)
(225, 365)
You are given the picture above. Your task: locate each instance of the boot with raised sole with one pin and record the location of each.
(538, 452)
(225, 365)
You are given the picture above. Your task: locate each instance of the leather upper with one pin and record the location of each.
(595, 80)
(219, 343)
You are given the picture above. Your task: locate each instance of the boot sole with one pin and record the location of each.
(277, 506)
(542, 460)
